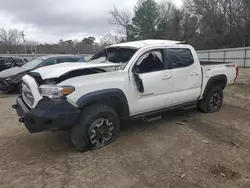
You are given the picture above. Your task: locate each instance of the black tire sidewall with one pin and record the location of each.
(80, 132)
(107, 115)
(205, 106)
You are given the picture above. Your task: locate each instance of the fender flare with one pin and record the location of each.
(222, 78)
(102, 95)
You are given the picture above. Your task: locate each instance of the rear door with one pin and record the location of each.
(156, 80)
(186, 73)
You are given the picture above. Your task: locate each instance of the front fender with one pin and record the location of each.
(102, 96)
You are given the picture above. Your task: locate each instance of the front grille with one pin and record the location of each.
(27, 94)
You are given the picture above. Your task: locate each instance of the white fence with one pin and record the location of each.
(241, 56)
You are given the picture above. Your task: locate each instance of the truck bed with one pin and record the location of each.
(212, 68)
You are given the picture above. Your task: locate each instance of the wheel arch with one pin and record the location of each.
(114, 98)
(218, 80)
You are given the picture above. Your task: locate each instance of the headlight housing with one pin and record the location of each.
(55, 92)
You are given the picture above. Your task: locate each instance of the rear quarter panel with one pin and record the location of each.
(209, 71)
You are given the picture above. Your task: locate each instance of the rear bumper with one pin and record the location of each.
(48, 115)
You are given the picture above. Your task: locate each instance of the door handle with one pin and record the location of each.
(194, 74)
(166, 77)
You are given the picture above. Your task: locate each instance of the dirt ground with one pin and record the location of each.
(183, 150)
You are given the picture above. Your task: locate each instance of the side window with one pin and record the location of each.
(72, 59)
(8, 62)
(49, 62)
(68, 59)
(77, 59)
(150, 62)
(18, 61)
(180, 57)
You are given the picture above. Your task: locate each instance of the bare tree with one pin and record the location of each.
(111, 39)
(170, 20)
(10, 38)
(166, 10)
(122, 19)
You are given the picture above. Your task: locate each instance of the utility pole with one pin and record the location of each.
(24, 45)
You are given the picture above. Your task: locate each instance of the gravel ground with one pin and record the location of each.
(184, 149)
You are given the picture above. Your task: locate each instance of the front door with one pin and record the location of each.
(156, 81)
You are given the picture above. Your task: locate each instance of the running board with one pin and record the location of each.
(186, 106)
(151, 118)
(190, 107)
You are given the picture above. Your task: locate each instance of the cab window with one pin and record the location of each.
(180, 57)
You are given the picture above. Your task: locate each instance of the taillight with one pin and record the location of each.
(237, 72)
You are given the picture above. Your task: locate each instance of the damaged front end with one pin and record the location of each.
(10, 83)
(53, 81)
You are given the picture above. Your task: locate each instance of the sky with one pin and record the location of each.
(52, 20)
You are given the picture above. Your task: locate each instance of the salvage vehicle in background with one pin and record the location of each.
(10, 62)
(11, 78)
(131, 80)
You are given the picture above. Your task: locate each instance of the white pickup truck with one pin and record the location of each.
(124, 81)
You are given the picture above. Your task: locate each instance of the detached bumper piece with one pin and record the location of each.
(47, 116)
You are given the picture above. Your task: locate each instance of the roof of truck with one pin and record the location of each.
(143, 43)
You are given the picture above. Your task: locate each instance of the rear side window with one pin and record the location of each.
(180, 57)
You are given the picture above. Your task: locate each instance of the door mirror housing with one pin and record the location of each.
(138, 82)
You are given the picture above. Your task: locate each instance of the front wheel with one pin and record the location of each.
(98, 126)
(213, 100)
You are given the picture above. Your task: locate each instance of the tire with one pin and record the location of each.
(212, 101)
(95, 120)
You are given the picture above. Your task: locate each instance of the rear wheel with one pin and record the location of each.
(213, 100)
(98, 126)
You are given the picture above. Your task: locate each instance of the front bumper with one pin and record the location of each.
(48, 115)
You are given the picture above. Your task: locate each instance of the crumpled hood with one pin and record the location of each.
(12, 71)
(55, 71)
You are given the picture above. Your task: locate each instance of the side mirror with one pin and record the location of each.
(139, 83)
